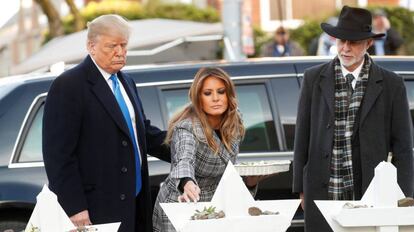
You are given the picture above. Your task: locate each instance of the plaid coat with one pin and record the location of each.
(191, 157)
(383, 125)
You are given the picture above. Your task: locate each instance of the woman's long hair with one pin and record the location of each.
(231, 125)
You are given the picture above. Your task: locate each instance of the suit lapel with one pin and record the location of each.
(327, 86)
(373, 90)
(104, 94)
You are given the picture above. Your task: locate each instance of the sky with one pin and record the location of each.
(8, 9)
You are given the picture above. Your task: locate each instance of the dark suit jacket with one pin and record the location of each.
(384, 125)
(88, 152)
(392, 42)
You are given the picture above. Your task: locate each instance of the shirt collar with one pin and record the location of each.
(355, 73)
(105, 74)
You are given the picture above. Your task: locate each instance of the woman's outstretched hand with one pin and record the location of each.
(191, 193)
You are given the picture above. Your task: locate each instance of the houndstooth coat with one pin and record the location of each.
(191, 157)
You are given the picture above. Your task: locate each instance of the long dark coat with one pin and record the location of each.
(88, 151)
(384, 125)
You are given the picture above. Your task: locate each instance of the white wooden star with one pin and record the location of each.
(234, 199)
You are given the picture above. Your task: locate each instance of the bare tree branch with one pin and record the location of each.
(79, 21)
(53, 17)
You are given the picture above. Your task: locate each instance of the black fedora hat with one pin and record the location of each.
(353, 24)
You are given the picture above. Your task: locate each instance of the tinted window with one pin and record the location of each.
(257, 116)
(175, 100)
(287, 96)
(32, 147)
(258, 119)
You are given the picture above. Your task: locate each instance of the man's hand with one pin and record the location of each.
(302, 203)
(81, 219)
(191, 193)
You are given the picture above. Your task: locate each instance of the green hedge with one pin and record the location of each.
(305, 33)
(260, 37)
(134, 10)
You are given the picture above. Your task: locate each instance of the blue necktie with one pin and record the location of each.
(121, 102)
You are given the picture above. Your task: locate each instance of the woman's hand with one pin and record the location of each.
(252, 181)
(191, 193)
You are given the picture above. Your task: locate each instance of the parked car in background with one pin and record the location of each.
(268, 92)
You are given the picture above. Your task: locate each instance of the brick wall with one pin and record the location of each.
(384, 2)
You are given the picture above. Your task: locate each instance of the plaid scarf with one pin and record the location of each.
(341, 182)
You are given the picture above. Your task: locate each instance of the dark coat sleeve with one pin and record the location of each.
(302, 133)
(402, 140)
(62, 122)
(154, 137)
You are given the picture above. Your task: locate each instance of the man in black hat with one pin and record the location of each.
(352, 113)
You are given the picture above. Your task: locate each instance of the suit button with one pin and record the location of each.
(325, 185)
(328, 126)
(326, 155)
(122, 197)
(124, 169)
(124, 143)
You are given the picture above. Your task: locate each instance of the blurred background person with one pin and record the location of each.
(281, 45)
(389, 44)
(327, 43)
(324, 45)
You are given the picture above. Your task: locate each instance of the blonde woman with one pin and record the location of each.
(203, 137)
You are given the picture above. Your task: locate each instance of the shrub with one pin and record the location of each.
(134, 10)
(306, 33)
(182, 11)
(260, 37)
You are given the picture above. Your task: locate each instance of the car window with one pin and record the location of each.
(255, 108)
(257, 118)
(287, 96)
(175, 100)
(31, 150)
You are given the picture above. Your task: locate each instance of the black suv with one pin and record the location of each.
(267, 90)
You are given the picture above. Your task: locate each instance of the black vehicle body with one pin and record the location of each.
(268, 92)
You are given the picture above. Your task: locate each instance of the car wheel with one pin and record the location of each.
(12, 225)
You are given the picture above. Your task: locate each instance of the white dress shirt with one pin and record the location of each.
(131, 110)
(355, 73)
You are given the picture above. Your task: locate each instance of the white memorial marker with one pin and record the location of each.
(234, 199)
(382, 213)
(48, 216)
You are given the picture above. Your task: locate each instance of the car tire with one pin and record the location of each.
(13, 225)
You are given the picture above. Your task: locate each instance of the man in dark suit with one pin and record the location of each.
(388, 44)
(351, 114)
(96, 136)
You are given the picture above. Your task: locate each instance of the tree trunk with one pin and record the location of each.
(79, 21)
(53, 17)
